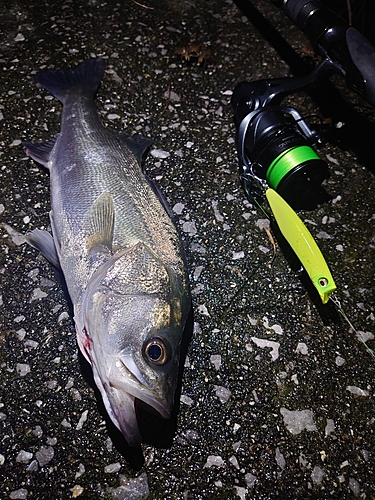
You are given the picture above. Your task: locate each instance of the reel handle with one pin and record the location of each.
(332, 37)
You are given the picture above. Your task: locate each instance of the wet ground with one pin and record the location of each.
(277, 393)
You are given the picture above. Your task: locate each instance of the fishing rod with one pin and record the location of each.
(274, 142)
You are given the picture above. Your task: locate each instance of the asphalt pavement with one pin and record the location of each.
(276, 398)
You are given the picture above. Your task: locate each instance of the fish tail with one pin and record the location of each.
(85, 79)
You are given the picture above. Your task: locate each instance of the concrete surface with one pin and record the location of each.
(277, 393)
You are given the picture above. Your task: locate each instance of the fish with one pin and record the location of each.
(119, 251)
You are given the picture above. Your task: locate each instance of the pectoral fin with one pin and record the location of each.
(44, 243)
(99, 224)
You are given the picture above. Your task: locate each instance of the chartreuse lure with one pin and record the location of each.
(303, 244)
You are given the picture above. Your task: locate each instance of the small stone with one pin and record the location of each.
(185, 399)
(330, 427)
(23, 369)
(44, 455)
(298, 420)
(112, 468)
(33, 466)
(133, 489)
(280, 460)
(222, 393)
(24, 457)
(38, 294)
(317, 475)
(19, 38)
(38, 431)
(81, 470)
(178, 208)
(241, 492)
(354, 486)
(113, 116)
(77, 490)
(262, 343)
(214, 460)
(233, 460)
(82, 420)
(302, 349)
(250, 480)
(216, 360)
(18, 494)
(159, 153)
(189, 227)
(339, 361)
(357, 391)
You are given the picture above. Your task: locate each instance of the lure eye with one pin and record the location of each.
(323, 282)
(157, 351)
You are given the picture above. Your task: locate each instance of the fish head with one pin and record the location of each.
(133, 316)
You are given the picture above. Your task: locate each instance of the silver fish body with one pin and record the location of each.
(118, 249)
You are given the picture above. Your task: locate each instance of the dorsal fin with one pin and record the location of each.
(99, 223)
(40, 151)
(137, 144)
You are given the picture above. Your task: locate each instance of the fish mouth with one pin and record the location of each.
(138, 387)
(119, 398)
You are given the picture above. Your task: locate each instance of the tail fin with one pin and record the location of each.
(85, 78)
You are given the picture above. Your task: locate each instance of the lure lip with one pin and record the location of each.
(324, 285)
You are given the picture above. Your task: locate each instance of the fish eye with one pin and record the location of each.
(157, 351)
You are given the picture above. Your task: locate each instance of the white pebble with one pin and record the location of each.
(241, 492)
(185, 399)
(24, 457)
(339, 361)
(23, 369)
(214, 460)
(216, 360)
(44, 455)
(317, 475)
(81, 470)
(330, 427)
(19, 38)
(38, 294)
(178, 208)
(112, 468)
(262, 343)
(233, 460)
(302, 348)
(18, 494)
(250, 479)
(222, 393)
(262, 223)
(357, 391)
(189, 227)
(298, 420)
(159, 153)
(82, 420)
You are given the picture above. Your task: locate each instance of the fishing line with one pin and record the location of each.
(337, 303)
